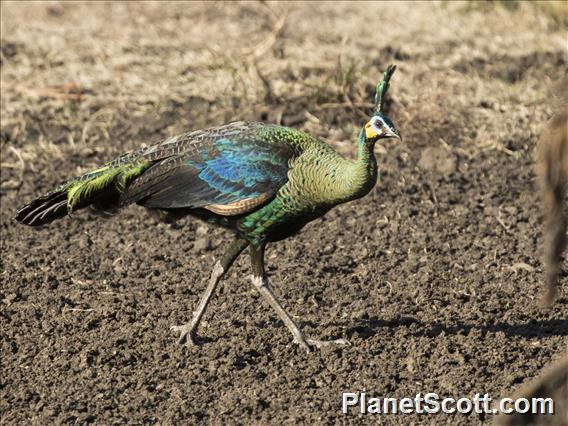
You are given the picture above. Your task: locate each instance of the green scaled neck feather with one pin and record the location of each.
(261, 181)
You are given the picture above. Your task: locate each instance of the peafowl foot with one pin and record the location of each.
(322, 343)
(309, 344)
(188, 336)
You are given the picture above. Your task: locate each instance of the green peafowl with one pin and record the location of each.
(262, 181)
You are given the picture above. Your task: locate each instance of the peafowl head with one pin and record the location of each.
(380, 126)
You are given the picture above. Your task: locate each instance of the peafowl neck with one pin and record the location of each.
(362, 174)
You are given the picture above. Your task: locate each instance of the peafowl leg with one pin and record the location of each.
(260, 282)
(188, 331)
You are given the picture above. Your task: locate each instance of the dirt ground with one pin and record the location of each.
(433, 277)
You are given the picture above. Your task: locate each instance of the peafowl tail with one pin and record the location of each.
(100, 188)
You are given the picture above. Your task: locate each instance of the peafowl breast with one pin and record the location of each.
(263, 182)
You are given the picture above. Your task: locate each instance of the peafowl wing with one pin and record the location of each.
(228, 170)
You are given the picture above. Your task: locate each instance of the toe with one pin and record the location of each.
(322, 343)
(186, 337)
(303, 344)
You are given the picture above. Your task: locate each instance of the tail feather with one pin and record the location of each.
(99, 188)
(44, 209)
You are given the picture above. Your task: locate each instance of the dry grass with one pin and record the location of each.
(85, 78)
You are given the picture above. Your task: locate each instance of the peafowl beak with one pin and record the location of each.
(390, 133)
(393, 134)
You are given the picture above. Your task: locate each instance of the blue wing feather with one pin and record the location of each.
(223, 171)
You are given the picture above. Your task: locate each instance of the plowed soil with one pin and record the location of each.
(434, 277)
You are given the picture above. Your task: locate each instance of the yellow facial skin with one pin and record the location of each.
(370, 131)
